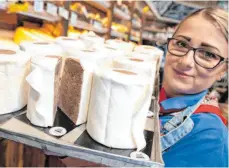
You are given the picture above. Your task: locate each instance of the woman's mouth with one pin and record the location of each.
(182, 74)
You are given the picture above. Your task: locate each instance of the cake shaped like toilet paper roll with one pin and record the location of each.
(70, 45)
(41, 49)
(119, 103)
(14, 67)
(44, 83)
(136, 64)
(6, 44)
(148, 50)
(38, 50)
(89, 55)
(75, 90)
(120, 45)
(92, 40)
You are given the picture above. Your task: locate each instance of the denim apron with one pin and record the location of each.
(178, 126)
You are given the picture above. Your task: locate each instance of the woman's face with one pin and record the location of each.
(181, 74)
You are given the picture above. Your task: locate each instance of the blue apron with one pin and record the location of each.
(183, 144)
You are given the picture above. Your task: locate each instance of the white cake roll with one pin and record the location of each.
(14, 67)
(93, 40)
(136, 64)
(70, 45)
(43, 96)
(118, 108)
(8, 45)
(38, 50)
(120, 45)
(75, 90)
(89, 55)
(150, 51)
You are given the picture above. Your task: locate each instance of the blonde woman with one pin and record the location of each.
(193, 131)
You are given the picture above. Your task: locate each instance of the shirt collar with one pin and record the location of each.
(180, 102)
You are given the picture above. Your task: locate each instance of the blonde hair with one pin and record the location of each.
(217, 16)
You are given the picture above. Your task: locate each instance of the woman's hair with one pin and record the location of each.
(217, 16)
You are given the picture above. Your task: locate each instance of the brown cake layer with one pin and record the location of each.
(57, 82)
(70, 90)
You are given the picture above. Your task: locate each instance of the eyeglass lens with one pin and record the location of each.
(203, 58)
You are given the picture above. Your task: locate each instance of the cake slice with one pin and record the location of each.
(75, 91)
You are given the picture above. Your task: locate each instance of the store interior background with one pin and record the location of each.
(141, 22)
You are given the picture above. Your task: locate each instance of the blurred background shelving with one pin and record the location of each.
(137, 21)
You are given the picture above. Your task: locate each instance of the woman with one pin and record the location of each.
(193, 129)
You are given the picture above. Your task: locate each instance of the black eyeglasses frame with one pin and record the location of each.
(222, 59)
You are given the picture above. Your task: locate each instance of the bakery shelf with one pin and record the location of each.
(120, 14)
(134, 38)
(86, 26)
(135, 25)
(158, 40)
(44, 15)
(6, 34)
(151, 29)
(101, 5)
(146, 38)
(118, 34)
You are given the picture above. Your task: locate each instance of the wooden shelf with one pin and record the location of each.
(151, 29)
(134, 38)
(158, 40)
(135, 25)
(86, 26)
(6, 34)
(118, 34)
(103, 6)
(120, 14)
(43, 16)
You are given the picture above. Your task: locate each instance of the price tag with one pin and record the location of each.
(38, 5)
(63, 13)
(52, 9)
(74, 17)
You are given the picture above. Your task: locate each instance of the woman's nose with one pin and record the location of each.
(188, 61)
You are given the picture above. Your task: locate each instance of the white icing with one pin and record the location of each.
(14, 68)
(8, 45)
(148, 50)
(40, 109)
(136, 64)
(38, 50)
(93, 40)
(89, 55)
(118, 108)
(70, 45)
(120, 45)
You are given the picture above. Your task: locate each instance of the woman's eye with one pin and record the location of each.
(210, 55)
(181, 44)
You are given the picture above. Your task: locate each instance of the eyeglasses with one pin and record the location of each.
(202, 57)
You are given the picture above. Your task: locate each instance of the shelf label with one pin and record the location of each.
(52, 9)
(38, 5)
(74, 18)
(64, 13)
